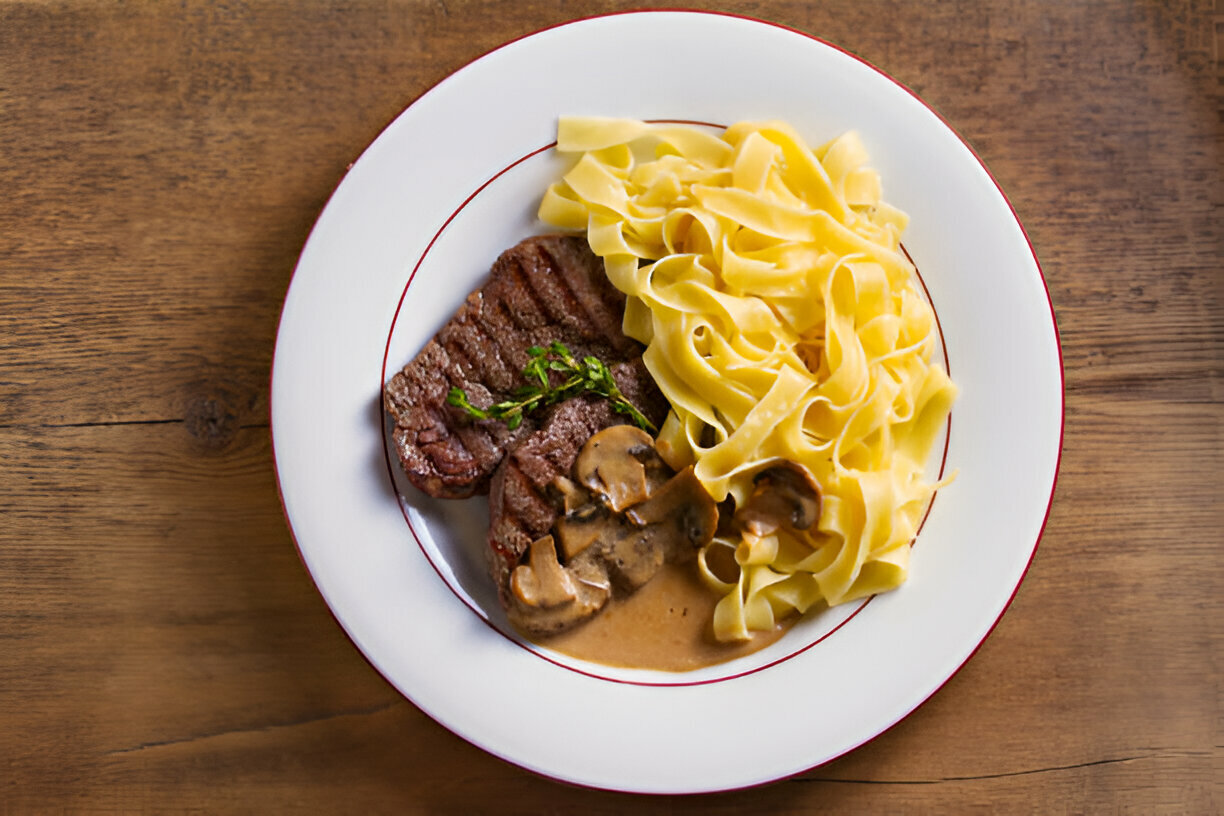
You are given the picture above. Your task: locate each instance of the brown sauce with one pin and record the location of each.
(665, 625)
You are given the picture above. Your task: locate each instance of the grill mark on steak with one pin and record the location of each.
(509, 317)
(502, 331)
(559, 305)
(426, 442)
(506, 321)
(605, 325)
(474, 443)
(499, 329)
(541, 294)
(468, 337)
(563, 307)
(522, 301)
(544, 289)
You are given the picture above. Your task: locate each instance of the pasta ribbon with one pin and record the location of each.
(782, 322)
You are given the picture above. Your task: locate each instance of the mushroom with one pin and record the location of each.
(581, 528)
(679, 512)
(633, 558)
(547, 598)
(784, 495)
(542, 581)
(612, 465)
(572, 495)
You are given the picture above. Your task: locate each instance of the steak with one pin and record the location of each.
(544, 289)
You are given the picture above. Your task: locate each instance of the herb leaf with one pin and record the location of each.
(588, 376)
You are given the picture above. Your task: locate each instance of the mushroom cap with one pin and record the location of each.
(784, 495)
(633, 558)
(584, 526)
(681, 509)
(611, 464)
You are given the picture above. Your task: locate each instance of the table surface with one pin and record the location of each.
(163, 649)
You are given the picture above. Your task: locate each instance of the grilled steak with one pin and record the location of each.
(523, 504)
(544, 289)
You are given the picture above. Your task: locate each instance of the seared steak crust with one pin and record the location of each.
(544, 289)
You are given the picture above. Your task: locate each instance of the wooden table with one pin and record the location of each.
(162, 648)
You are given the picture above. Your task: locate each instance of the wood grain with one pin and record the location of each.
(163, 650)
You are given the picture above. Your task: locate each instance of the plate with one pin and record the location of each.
(414, 226)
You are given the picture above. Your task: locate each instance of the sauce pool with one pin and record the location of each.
(665, 625)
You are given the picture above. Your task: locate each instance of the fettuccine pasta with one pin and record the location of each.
(782, 322)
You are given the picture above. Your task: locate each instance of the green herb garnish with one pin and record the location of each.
(590, 376)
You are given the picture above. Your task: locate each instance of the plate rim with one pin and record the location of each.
(1056, 469)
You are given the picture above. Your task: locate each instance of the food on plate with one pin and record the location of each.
(783, 323)
(501, 340)
(743, 297)
(622, 514)
(554, 375)
(543, 290)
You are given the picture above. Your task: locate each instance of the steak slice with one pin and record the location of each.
(544, 289)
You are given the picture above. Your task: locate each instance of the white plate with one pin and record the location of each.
(413, 228)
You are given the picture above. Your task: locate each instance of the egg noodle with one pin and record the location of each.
(782, 322)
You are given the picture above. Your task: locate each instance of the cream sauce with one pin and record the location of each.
(665, 625)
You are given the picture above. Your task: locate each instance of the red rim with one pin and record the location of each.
(1053, 324)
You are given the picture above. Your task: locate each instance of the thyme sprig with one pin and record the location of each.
(572, 377)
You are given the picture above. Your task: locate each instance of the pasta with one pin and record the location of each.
(782, 322)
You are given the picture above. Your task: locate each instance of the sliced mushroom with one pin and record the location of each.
(784, 495)
(633, 558)
(585, 526)
(542, 581)
(572, 495)
(610, 464)
(588, 581)
(681, 512)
